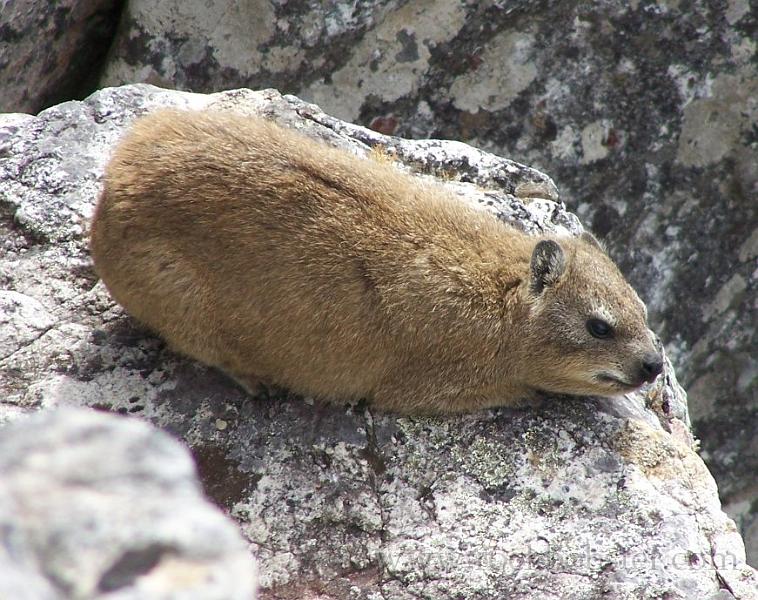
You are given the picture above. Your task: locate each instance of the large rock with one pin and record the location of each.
(52, 51)
(644, 112)
(596, 498)
(99, 506)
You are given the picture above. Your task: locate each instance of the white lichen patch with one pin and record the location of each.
(728, 295)
(280, 58)
(712, 126)
(507, 68)
(594, 141)
(749, 248)
(389, 61)
(245, 26)
(564, 145)
(689, 85)
(736, 9)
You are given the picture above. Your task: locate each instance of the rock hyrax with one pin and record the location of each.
(279, 259)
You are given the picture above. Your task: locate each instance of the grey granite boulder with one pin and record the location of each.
(52, 51)
(583, 498)
(99, 506)
(644, 113)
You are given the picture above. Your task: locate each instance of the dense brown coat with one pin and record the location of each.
(278, 259)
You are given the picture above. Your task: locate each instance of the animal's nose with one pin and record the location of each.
(651, 367)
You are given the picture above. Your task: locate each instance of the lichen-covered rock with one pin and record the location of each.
(597, 498)
(99, 506)
(52, 51)
(644, 112)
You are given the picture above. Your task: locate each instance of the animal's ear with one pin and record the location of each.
(592, 241)
(547, 266)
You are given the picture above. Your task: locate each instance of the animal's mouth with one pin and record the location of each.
(617, 382)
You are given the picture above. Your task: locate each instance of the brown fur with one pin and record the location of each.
(278, 259)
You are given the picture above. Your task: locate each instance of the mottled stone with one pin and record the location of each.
(51, 51)
(507, 68)
(597, 498)
(22, 321)
(713, 124)
(388, 62)
(97, 506)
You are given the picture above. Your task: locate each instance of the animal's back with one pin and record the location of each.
(259, 251)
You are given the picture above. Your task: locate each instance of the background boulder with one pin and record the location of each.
(52, 51)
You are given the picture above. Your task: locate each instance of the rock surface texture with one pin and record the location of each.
(100, 506)
(52, 51)
(643, 112)
(584, 498)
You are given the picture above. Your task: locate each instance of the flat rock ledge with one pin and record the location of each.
(581, 499)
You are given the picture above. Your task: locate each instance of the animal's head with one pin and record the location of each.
(591, 327)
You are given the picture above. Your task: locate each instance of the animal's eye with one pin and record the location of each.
(599, 329)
